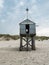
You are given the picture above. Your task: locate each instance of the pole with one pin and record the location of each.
(27, 12)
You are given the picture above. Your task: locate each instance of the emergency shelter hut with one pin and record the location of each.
(27, 33)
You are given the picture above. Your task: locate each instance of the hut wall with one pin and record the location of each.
(32, 29)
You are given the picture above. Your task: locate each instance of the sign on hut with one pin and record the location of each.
(27, 33)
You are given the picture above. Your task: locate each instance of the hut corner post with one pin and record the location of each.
(20, 43)
(27, 42)
(33, 43)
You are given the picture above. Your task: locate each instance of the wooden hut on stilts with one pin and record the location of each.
(27, 33)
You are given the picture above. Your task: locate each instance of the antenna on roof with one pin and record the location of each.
(27, 12)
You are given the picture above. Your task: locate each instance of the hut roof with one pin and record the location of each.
(27, 21)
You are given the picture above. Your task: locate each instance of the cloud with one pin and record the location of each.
(1, 3)
(43, 28)
(34, 1)
(3, 21)
(21, 3)
(43, 32)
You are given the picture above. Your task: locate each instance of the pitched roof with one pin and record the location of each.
(27, 21)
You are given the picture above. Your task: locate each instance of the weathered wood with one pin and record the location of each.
(33, 43)
(24, 45)
(27, 30)
(24, 39)
(27, 43)
(27, 40)
(20, 43)
(24, 35)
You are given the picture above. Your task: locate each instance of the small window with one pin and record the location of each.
(27, 28)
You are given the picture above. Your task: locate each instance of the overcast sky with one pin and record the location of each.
(12, 12)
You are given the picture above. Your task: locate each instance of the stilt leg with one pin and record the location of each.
(33, 43)
(27, 43)
(20, 43)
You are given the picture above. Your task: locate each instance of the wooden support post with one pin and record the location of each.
(20, 43)
(33, 43)
(27, 43)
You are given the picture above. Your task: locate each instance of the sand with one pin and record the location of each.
(10, 54)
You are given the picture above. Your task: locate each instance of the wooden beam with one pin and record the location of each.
(33, 43)
(20, 43)
(29, 40)
(27, 43)
(24, 39)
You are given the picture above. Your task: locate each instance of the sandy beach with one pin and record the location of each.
(10, 54)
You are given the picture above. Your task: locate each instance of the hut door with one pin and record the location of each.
(27, 28)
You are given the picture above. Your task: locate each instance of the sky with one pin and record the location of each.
(12, 12)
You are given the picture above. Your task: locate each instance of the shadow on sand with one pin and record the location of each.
(14, 49)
